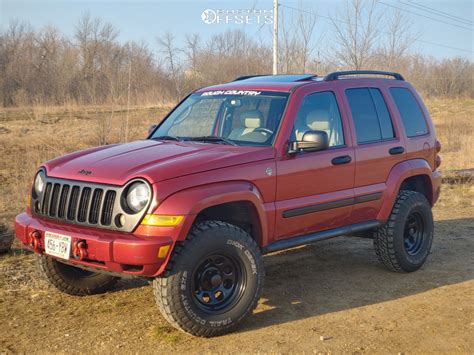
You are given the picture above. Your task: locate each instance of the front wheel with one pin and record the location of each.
(212, 281)
(404, 242)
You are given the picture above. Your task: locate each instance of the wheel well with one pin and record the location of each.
(419, 183)
(240, 213)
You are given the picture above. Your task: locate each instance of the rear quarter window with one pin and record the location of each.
(410, 112)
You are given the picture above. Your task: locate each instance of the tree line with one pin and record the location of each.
(92, 67)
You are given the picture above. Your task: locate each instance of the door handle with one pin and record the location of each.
(344, 159)
(396, 150)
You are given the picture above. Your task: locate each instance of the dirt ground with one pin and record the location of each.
(333, 296)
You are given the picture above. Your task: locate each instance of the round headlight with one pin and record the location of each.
(138, 196)
(39, 182)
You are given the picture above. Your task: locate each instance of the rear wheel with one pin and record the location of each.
(73, 280)
(404, 242)
(212, 281)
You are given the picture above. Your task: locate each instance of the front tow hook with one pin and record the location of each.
(79, 250)
(35, 241)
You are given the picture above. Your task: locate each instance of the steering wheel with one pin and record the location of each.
(264, 131)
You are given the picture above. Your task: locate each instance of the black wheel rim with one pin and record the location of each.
(413, 235)
(218, 283)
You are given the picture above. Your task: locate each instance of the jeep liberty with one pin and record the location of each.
(257, 165)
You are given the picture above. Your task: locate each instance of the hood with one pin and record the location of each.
(152, 160)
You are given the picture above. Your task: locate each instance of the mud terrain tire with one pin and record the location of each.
(72, 280)
(212, 281)
(403, 243)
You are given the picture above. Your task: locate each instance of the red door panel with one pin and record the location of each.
(310, 190)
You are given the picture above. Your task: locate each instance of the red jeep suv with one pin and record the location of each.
(261, 164)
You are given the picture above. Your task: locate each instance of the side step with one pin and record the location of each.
(318, 236)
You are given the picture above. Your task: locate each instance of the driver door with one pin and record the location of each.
(315, 189)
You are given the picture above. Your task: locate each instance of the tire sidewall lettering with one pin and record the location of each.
(249, 262)
(246, 252)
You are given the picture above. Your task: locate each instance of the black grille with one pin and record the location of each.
(62, 201)
(54, 200)
(46, 198)
(83, 204)
(71, 214)
(78, 203)
(95, 206)
(108, 207)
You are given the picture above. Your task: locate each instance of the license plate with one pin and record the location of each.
(57, 245)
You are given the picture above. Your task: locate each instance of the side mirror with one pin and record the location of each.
(312, 141)
(151, 128)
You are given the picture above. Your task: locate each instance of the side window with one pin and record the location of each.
(385, 121)
(370, 114)
(319, 112)
(410, 112)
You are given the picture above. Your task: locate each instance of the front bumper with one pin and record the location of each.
(111, 251)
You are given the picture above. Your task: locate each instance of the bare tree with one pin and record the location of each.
(399, 38)
(95, 40)
(16, 59)
(306, 25)
(355, 33)
(171, 54)
(193, 43)
(289, 42)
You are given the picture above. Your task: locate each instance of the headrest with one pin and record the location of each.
(318, 120)
(252, 118)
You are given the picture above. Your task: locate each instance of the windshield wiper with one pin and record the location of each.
(212, 139)
(166, 138)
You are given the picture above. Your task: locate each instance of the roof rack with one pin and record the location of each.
(277, 78)
(335, 75)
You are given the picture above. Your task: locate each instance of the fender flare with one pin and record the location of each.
(397, 175)
(190, 202)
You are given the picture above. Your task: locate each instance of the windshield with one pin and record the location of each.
(229, 117)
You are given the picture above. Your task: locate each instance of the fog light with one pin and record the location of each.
(161, 221)
(120, 220)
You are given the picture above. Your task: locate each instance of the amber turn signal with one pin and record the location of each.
(161, 220)
(163, 251)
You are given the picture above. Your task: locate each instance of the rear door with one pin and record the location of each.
(314, 189)
(379, 146)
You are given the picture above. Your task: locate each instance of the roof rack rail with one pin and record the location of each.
(335, 75)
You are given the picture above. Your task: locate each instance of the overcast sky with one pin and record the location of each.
(144, 20)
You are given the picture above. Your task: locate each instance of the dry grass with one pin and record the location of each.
(454, 124)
